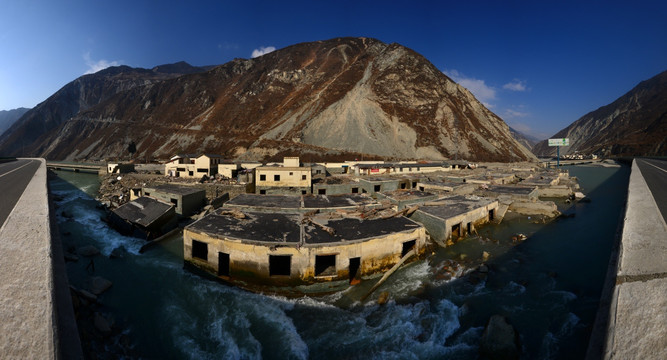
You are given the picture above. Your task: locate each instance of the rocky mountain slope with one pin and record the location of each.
(524, 139)
(9, 117)
(322, 100)
(27, 134)
(633, 125)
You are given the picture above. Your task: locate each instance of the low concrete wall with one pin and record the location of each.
(633, 310)
(32, 298)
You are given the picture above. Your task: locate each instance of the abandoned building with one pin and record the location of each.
(193, 166)
(513, 192)
(119, 168)
(454, 217)
(406, 167)
(289, 249)
(290, 178)
(385, 183)
(187, 200)
(145, 218)
(550, 184)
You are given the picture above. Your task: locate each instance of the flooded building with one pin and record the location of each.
(447, 187)
(455, 216)
(187, 200)
(145, 218)
(289, 249)
(301, 204)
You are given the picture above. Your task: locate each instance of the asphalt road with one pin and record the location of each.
(655, 174)
(14, 177)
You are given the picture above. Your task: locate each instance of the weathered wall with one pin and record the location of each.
(251, 259)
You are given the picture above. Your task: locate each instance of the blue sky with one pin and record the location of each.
(539, 65)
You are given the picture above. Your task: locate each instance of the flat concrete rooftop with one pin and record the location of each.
(268, 201)
(177, 189)
(143, 211)
(274, 228)
(336, 201)
(407, 194)
(514, 190)
(261, 227)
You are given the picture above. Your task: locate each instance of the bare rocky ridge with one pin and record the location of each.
(325, 100)
(633, 125)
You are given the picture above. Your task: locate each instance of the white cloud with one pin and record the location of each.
(262, 51)
(512, 114)
(95, 66)
(515, 85)
(484, 93)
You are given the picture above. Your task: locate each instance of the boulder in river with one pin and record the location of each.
(500, 340)
(99, 285)
(88, 251)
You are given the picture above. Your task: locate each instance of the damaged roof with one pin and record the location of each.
(176, 189)
(254, 226)
(455, 205)
(143, 211)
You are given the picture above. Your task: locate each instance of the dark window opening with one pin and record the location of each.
(223, 264)
(322, 191)
(469, 228)
(355, 190)
(325, 265)
(421, 188)
(404, 185)
(180, 169)
(377, 188)
(174, 201)
(456, 230)
(200, 170)
(491, 214)
(147, 194)
(355, 265)
(318, 172)
(407, 246)
(363, 191)
(262, 192)
(262, 177)
(191, 173)
(414, 184)
(200, 250)
(136, 192)
(280, 265)
(303, 192)
(291, 173)
(276, 177)
(303, 177)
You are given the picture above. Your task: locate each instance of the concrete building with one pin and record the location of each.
(401, 168)
(187, 200)
(193, 166)
(456, 216)
(515, 193)
(145, 218)
(284, 249)
(229, 170)
(374, 184)
(119, 168)
(288, 179)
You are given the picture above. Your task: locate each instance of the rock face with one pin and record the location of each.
(633, 125)
(333, 99)
(9, 117)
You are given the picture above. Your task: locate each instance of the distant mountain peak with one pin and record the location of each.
(330, 99)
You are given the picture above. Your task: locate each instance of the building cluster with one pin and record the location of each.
(307, 223)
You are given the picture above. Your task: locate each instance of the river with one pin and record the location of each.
(548, 287)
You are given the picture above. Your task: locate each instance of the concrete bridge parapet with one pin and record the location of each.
(35, 306)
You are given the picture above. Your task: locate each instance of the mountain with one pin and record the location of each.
(524, 139)
(79, 95)
(8, 117)
(340, 98)
(633, 125)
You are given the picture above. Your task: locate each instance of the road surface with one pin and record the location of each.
(655, 175)
(14, 177)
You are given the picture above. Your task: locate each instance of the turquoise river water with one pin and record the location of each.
(547, 286)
